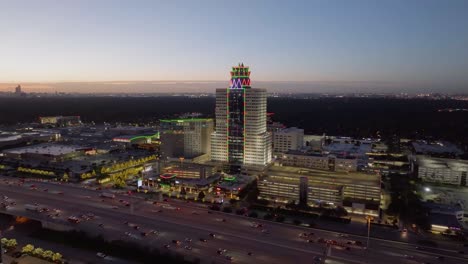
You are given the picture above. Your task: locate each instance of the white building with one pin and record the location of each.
(358, 192)
(288, 139)
(187, 137)
(318, 161)
(439, 170)
(241, 135)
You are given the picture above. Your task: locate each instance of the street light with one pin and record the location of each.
(369, 219)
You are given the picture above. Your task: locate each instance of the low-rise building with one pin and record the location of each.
(357, 192)
(291, 138)
(318, 161)
(185, 137)
(60, 120)
(184, 170)
(435, 148)
(441, 170)
(46, 151)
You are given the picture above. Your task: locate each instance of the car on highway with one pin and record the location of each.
(203, 240)
(74, 219)
(188, 240)
(167, 246)
(212, 235)
(230, 258)
(221, 251)
(249, 253)
(188, 247)
(177, 242)
(101, 255)
(144, 234)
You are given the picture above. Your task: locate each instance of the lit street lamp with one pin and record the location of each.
(369, 219)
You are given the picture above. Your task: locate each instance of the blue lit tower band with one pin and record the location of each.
(241, 136)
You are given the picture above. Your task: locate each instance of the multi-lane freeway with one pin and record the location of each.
(243, 240)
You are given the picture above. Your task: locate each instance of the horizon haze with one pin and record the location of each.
(299, 46)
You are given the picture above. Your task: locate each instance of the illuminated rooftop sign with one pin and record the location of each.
(240, 77)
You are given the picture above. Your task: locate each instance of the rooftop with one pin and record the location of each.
(182, 120)
(44, 149)
(352, 178)
(438, 147)
(442, 163)
(290, 130)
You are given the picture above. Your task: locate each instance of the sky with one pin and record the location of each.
(291, 46)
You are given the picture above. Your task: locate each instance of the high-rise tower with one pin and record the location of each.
(241, 135)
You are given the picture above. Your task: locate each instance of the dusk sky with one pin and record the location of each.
(297, 46)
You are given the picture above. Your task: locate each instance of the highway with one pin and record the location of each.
(272, 243)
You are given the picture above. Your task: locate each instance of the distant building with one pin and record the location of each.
(440, 170)
(18, 90)
(186, 137)
(47, 151)
(60, 121)
(288, 139)
(137, 139)
(318, 161)
(129, 130)
(241, 136)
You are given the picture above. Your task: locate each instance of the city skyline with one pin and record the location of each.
(397, 46)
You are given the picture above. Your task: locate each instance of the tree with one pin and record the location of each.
(268, 216)
(201, 195)
(4, 241)
(65, 177)
(47, 254)
(57, 257)
(297, 222)
(28, 249)
(11, 243)
(253, 214)
(38, 252)
(341, 211)
(280, 218)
